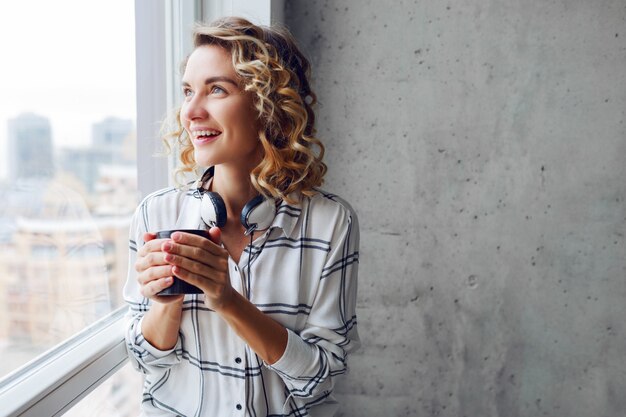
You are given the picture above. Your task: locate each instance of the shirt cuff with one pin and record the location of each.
(296, 356)
(153, 351)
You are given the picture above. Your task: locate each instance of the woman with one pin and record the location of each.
(275, 320)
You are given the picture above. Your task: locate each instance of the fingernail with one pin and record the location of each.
(175, 236)
(167, 246)
(169, 257)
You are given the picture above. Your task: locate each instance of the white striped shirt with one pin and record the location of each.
(303, 273)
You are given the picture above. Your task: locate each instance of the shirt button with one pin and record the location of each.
(238, 360)
(236, 268)
(238, 407)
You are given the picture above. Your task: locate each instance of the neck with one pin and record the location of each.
(235, 188)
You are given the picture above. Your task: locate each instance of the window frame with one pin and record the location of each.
(55, 381)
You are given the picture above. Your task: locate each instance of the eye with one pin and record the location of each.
(217, 90)
(187, 92)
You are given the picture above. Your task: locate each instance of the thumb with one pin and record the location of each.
(149, 236)
(216, 235)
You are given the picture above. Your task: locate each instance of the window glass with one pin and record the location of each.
(68, 182)
(118, 396)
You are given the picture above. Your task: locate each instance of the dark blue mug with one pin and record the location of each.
(179, 286)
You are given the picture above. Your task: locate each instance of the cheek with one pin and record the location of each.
(241, 120)
(248, 120)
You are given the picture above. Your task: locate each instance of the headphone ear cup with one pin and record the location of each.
(213, 209)
(258, 214)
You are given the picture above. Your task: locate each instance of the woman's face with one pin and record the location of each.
(217, 113)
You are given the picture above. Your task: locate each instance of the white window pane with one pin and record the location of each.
(68, 170)
(118, 396)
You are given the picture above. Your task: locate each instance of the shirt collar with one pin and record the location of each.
(287, 215)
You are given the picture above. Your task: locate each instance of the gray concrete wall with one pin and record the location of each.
(483, 144)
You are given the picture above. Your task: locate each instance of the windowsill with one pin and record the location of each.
(56, 380)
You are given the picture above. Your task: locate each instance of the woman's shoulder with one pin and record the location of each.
(163, 208)
(164, 204)
(323, 198)
(165, 195)
(328, 217)
(328, 205)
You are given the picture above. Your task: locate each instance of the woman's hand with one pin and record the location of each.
(154, 273)
(203, 263)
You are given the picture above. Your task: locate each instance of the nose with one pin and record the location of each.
(194, 109)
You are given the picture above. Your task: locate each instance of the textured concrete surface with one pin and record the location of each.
(483, 144)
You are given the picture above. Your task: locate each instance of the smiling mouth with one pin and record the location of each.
(204, 135)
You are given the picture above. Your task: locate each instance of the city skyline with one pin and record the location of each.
(64, 235)
(64, 251)
(29, 146)
(72, 71)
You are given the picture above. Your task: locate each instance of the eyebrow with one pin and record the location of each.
(212, 80)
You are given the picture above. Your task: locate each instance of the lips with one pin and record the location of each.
(203, 136)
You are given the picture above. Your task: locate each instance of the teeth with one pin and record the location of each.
(205, 133)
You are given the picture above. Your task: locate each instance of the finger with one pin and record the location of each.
(147, 236)
(202, 282)
(214, 272)
(215, 233)
(153, 245)
(149, 260)
(154, 287)
(195, 255)
(155, 273)
(197, 241)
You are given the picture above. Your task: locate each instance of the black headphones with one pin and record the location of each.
(257, 214)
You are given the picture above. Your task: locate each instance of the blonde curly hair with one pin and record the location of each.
(272, 67)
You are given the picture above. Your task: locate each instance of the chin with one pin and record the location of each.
(204, 160)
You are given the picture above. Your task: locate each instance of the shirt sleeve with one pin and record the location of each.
(317, 354)
(143, 356)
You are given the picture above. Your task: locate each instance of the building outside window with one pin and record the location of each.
(68, 179)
